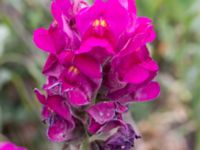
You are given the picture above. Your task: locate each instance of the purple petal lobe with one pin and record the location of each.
(151, 91)
(40, 96)
(52, 67)
(150, 65)
(100, 49)
(77, 98)
(43, 40)
(102, 112)
(88, 66)
(58, 105)
(136, 75)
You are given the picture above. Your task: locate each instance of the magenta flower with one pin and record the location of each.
(52, 40)
(99, 18)
(62, 33)
(131, 74)
(70, 77)
(100, 27)
(97, 64)
(58, 116)
(10, 146)
(137, 35)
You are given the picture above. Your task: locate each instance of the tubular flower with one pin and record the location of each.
(57, 115)
(10, 146)
(98, 63)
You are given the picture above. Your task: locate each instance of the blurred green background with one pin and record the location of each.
(171, 122)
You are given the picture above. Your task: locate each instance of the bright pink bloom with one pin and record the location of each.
(10, 146)
(98, 63)
(138, 34)
(100, 17)
(101, 27)
(62, 33)
(57, 114)
(128, 75)
(70, 76)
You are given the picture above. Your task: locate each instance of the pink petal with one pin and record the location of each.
(77, 98)
(93, 42)
(43, 40)
(130, 5)
(117, 18)
(136, 75)
(58, 105)
(89, 66)
(49, 64)
(102, 112)
(145, 30)
(100, 49)
(40, 96)
(66, 57)
(52, 67)
(59, 7)
(151, 91)
(85, 17)
(93, 126)
(150, 65)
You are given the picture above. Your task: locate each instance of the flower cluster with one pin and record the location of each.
(97, 64)
(10, 146)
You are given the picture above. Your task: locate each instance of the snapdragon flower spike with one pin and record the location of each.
(6, 145)
(97, 64)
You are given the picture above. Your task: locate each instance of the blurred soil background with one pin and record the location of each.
(172, 122)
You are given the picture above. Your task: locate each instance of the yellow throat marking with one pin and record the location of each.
(74, 70)
(100, 23)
